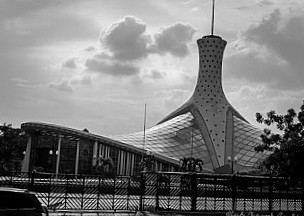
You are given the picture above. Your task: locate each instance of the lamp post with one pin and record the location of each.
(233, 183)
(51, 159)
(235, 159)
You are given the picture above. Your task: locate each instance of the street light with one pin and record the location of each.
(235, 159)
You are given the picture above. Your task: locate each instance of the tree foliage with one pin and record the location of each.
(288, 145)
(12, 145)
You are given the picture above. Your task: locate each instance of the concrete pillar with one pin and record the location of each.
(58, 155)
(27, 156)
(77, 158)
(95, 156)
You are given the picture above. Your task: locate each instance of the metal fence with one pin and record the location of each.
(204, 192)
(162, 191)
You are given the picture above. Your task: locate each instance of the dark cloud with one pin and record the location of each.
(174, 39)
(70, 63)
(90, 49)
(155, 74)
(114, 68)
(275, 52)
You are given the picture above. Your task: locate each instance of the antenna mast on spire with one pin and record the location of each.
(212, 24)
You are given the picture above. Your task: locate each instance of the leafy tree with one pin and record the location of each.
(12, 145)
(288, 145)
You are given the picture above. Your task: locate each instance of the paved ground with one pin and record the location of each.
(146, 213)
(77, 213)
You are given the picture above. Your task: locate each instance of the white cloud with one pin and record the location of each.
(62, 85)
(24, 83)
(69, 84)
(265, 3)
(111, 67)
(126, 39)
(172, 99)
(125, 45)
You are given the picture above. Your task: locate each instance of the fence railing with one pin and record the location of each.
(162, 191)
(205, 192)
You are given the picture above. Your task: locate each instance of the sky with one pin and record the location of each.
(95, 63)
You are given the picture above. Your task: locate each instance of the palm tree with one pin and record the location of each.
(191, 165)
(147, 163)
(104, 165)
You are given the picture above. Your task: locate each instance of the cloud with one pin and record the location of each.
(265, 3)
(126, 44)
(155, 74)
(24, 83)
(62, 85)
(152, 74)
(126, 39)
(82, 80)
(270, 52)
(39, 26)
(70, 63)
(90, 49)
(68, 85)
(173, 98)
(174, 39)
(111, 67)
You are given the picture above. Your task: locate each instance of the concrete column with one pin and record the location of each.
(95, 156)
(77, 158)
(27, 156)
(58, 155)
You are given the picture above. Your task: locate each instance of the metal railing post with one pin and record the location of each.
(98, 195)
(270, 194)
(302, 186)
(142, 191)
(82, 191)
(193, 192)
(157, 190)
(233, 184)
(33, 175)
(66, 190)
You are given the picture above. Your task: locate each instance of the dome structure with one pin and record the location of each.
(206, 127)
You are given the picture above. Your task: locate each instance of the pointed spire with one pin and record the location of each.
(212, 22)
